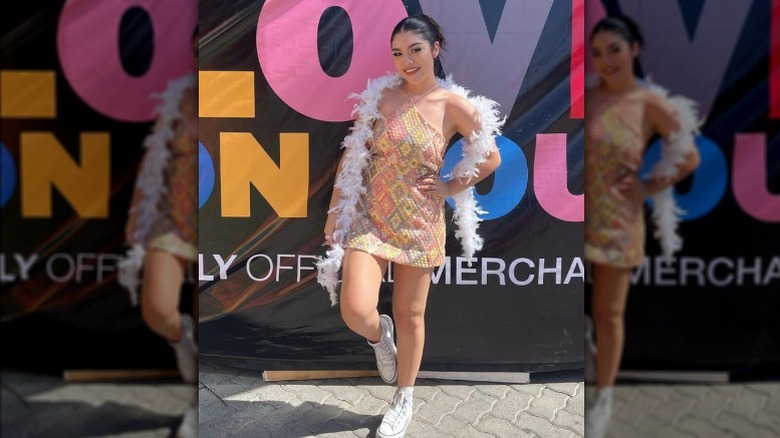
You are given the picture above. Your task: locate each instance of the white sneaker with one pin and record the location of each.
(386, 351)
(590, 352)
(598, 413)
(398, 416)
(189, 424)
(187, 351)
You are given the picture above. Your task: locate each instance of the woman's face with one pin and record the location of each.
(413, 56)
(613, 56)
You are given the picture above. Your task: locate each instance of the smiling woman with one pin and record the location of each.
(622, 115)
(388, 202)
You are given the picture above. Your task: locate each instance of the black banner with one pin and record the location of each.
(715, 307)
(274, 81)
(77, 83)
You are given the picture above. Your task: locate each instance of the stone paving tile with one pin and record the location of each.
(500, 428)
(545, 405)
(433, 413)
(509, 408)
(422, 430)
(538, 426)
(473, 408)
(572, 422)
(458, 428)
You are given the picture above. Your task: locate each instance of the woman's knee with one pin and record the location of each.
(608, 318)
(155, 312)
(355, 312)
(409, 320)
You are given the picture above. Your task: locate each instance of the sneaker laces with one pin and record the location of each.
(397, 414)
(386, 350)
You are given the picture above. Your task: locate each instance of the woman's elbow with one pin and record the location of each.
(693, 161)
(494, 161)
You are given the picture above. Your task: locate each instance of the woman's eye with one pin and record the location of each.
(396, 54)
(416, 50)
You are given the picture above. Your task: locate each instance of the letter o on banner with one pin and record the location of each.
(287, 50)
(88, 47)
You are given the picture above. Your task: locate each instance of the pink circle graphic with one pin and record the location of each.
(88, 47)
(287, 51)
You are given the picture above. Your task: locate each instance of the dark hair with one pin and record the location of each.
(621, 25)
(429, 30)
(422, 25)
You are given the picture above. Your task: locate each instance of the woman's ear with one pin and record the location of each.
(436, 49)
(635, 49)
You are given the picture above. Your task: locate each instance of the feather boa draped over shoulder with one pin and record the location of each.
(150, 182)
(675, 148)
(357, 156)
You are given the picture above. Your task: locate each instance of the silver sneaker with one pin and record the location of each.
(189, 424)
(386, 351)
(590, 352)
(598, 412)
(187, 351)
(397, 417)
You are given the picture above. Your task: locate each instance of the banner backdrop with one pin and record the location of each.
(77, 81)
(274, 82)
(716, 305)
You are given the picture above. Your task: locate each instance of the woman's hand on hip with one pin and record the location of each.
(434, 185)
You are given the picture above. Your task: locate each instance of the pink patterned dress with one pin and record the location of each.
(175, 229)
(614, 144)
(396, 221)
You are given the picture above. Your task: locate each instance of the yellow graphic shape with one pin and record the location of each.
(244, 163)
(28, 94)
(226, 94)
(46, 164)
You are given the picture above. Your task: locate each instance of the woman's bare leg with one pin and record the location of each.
(163, 277)
(361, 278)
(610, 292)
(410, 296)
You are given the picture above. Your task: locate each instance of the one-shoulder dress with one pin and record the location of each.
(396, 221)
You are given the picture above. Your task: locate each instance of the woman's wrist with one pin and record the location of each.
(447, 189)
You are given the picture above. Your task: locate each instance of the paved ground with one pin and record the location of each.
(237, 402)
(697, 411)
(40, 405)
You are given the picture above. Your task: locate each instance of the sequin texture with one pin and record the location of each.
(395, 220)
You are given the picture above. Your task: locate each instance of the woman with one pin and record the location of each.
(623, 114)
(162, 226)
(388, 202)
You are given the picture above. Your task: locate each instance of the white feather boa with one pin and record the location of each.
(151, 180)
(350, 180)
(666, 213)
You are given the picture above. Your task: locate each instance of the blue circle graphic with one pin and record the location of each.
(206, 175)
(709, 179)
(7, 175)
(509, 185)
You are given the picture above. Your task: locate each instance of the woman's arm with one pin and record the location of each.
(665, 121)
(465, 120)
(330, 223)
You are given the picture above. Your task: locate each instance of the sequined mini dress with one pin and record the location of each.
(395, 220)
(614, 217)
(175, 229)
